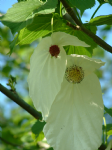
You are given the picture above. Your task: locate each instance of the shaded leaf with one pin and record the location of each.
(79, 50)
(109, 1)
(108, 110)
(48, 7)
(83, 37)
(108, 127)
(12, 44)
(38, 127)
(82, 4)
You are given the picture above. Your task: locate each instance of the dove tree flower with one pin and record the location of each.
(47, 68)
(109, 147)
(76, 114)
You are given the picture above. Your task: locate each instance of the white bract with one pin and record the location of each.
(47, 68)
(76, 115)
(109, 147)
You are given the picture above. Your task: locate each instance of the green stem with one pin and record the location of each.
(19, 101)
(52, 23)
(60, 9)
(105, 130)
(96, 10)
(96, 39)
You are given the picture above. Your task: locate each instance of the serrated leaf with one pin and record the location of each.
(38, 127)
(22, 13)
(82, 4)
(40, 26)
(48, 7)
(108, 110)
(101, 20)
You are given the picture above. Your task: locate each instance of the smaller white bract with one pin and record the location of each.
(109, 147)
(47, 68)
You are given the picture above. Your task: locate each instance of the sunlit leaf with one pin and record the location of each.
(22, 13)
(40, 26)
(101, 20)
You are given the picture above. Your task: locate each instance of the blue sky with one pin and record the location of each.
(106, 9)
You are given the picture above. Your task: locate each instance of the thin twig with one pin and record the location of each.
(20, 102)
(96, 10)
(96, 39)
(9, 143)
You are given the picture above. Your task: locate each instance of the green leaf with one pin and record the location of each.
(83, 37)
(78, 50)
(101, 20)
(12, 44)
(38, 127)
(108, 110)
(108, 127)
(40, 26)
(109, 133)
(82, 4)
(109, 1)
(22, 13)
(48, 7)
(101, 1)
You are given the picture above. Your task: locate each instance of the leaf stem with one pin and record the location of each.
(19, 101)
(60, 9)
(104, 120)
(96, 11)
(96, 39)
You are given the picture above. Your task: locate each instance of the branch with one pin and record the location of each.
(12, 144)
(96, 39)
(20, 102)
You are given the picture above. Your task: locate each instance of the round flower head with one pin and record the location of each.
(47, 68)
(109, 147)
(76, 115)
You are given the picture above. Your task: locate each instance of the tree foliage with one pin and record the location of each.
(26, 22)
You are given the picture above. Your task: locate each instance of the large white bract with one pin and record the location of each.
(76, 115)
(47, 68)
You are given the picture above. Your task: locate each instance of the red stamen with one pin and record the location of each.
(54, 50)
